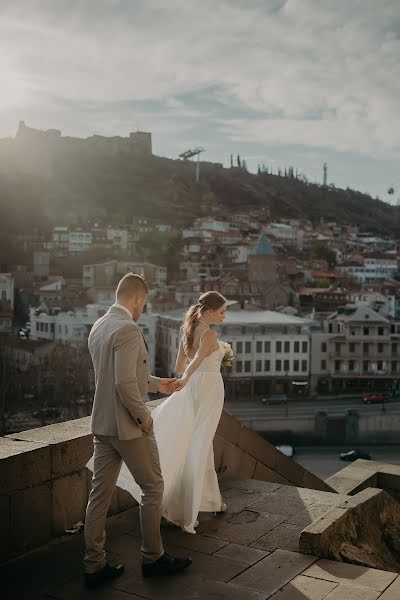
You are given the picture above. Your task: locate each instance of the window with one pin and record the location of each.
(352, 332)
(304, 347)
(239, 347)
(248, 347)
(365, 365)
(258, 365)
(247, 366)
(278, 365)
(323, 346)
(267, 365)
(279, 346)
(381, 331)
(286, 365)
(352, 347)
(365, 347)
(394, 366)
(380, 365)
(380, 348)
(394, 348)
(239, 366)
(323, 365)
(297, 347)
(304, 366)
(337, 348)
(337, 365)
(267, 346)
(351, 365)
(366, 330)
(330, 328)
(259, 348)
(296, 366)
(287, 347)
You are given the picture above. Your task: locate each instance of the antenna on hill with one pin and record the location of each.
(190, 154)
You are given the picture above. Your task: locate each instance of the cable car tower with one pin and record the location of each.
(190, 154)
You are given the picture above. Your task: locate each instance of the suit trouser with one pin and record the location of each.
(141, 457)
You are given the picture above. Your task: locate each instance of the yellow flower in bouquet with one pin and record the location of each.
(228, 356)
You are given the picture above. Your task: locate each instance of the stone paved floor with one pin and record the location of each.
(250, 553)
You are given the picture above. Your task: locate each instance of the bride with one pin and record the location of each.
(185, 423)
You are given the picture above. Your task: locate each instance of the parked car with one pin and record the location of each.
(286, 450)
(376, 398)
(275, 399)
(354, 455)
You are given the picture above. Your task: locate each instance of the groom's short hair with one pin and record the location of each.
(130, 285)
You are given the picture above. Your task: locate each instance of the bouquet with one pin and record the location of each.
(228, 356)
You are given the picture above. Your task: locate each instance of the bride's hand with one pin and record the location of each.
(180, 383)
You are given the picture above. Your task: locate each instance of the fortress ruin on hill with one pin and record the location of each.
(37, 151)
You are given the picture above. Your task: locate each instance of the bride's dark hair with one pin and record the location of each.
(207, 301)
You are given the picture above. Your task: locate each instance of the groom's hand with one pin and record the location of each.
(146, 428)
(167, 386)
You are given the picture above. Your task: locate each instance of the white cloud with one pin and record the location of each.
(306, 72)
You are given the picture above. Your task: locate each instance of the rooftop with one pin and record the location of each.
(262, 247)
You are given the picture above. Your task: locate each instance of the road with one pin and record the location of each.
(323, 461)
(252, 410)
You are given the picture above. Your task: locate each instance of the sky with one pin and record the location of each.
(280, 82)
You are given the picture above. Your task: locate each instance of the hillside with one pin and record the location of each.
(121, 187)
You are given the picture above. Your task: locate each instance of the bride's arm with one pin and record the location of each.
(207, 342)
(180, 364)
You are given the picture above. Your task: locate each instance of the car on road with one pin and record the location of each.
(275, 399)
(354, 455)
(376, 398)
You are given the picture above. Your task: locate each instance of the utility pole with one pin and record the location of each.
(190, 154)
(325, 174)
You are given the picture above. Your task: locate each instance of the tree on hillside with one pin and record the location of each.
(321, 250)
(239, 164)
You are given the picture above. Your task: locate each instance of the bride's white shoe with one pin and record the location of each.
(187, 530)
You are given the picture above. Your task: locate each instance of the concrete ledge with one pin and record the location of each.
(363, 530)
(362, 474)
(269, 463)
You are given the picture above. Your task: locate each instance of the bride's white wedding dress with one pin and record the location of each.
(184, 428)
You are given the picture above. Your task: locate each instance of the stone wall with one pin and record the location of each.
(45, 484)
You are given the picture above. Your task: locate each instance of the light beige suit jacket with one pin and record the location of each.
(122, 376)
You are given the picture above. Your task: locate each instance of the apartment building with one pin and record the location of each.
(272, 350)
(356, 351)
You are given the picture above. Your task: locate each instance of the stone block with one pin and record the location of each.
(256, 446)
(242, 528)
(70, 444)
(4, 526)
(30, 518)
(393, 591)
(353, 575)
(69, 500)
(285, 537)
(229, 428)
(350, 592)
(264, 473)
(242, 554)
(273, 572)
(23, 464)
(306, 588)
(125, 500)
(388, 481)
(236, 463)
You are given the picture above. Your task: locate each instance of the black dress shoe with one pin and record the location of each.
(107, 573)
(166, 565)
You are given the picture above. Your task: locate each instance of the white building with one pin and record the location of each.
(79, 241)
(72, 326)
(372, 270)
(7, 288)
(118, 237)
(272, 350)
(288, 235)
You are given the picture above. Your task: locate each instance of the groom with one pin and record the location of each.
(122, 428)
